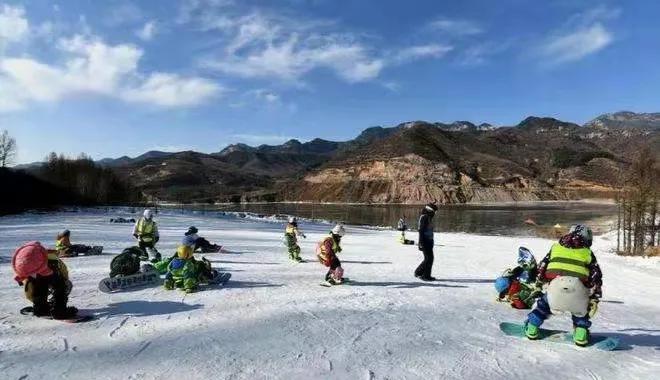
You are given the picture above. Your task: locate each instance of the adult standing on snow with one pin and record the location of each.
(146, 232)
(426, 242)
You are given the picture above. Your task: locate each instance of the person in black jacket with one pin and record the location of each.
(425, 228)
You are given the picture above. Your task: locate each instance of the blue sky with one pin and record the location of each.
(110, 78)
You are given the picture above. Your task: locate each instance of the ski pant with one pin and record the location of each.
(542, 312)
(204, 245)
(424, 269)
(144, 245)
(334, 264)
(294, 250)
(37, 290)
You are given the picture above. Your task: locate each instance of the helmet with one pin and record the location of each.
(583, 232)
(502, 284)
(338, 230)
(148, 214)
(431, 207)
(188, 240)
(525, 258)
(29, 260)
(63, 234)
(293, 219)
(184, 252)
(192, 230)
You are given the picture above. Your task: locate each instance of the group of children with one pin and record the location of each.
(572, 280)
(570, 271)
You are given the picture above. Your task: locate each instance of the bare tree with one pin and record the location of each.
(7, 149)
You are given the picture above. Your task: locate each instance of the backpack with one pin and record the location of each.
(127, 262)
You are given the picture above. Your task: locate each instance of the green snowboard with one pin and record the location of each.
(599, 342)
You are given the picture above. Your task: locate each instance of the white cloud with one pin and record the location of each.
(170, 90)
(91, 66)
(147, 32)
(577, 44)
(455, 27)
(422, 51)
(125, 13)
(13, 24)
(583, 34)
(265, 95)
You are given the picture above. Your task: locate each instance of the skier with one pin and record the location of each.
(402, 227)
(41, 272)
(517, 285)
(146, 232)
(64, 247)
(198, 243)
(575, 284)
(425, 244)
(291, 234)
(327, 251)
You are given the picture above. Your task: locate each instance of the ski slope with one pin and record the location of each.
(274, 321)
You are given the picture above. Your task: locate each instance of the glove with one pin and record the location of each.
(156, 239)
(135, 236)
(537, 287)
(420, 247)
(303, 235)
(593, 307)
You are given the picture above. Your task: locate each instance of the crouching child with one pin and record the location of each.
(518, 285)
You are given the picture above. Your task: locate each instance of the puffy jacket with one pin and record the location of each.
(327, 249)
(425, 229)
(576, 261)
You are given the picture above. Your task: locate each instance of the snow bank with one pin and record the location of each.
(274, 321)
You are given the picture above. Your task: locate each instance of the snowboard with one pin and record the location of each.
(215, 249)
(220, 279)
(598, 342)
(329, 284)
(77, 319)
(109, 285)
(95, 250)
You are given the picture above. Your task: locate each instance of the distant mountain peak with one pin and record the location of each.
(626, 119)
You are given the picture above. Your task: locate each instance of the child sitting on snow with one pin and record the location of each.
(199, 243)
(517, 285)
(291, 234)
(41, 272)
(184, 272)
(575, 284)
(327, 251)
(64, 247)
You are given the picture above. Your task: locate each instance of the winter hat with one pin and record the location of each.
(148, 214)
(579, 236)
(338, 230)
(30, 260)
(189, 240)
(191, 230)
(63, 234)
(184, 252)
(431, 207)
(293, 219)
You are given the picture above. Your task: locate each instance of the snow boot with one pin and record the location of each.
(66, 313)
(169, 284)
(531, 332)
(581, 336)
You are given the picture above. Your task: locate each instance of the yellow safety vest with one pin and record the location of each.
(290, 229)
(569, 261)
(61, 245)
(145, 229)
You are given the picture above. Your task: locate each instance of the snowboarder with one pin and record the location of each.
(327, 251)
(184, 272)
(64, 247)
(198, 243)
(291, 234)
(41, 272)
(146, 232)
(517, 285)
(575, 284)
(426, 242)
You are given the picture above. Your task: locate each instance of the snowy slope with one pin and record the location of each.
(274, 321)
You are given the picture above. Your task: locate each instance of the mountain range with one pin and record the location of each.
(413, 162)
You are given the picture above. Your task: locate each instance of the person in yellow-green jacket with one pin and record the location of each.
(146, 232)
(64, 247)
(575, 284)
(291, 234)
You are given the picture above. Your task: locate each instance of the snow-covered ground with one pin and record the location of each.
(273, 320)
